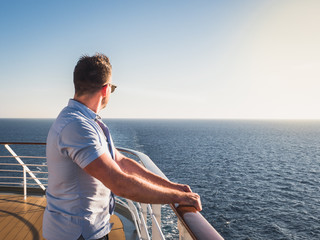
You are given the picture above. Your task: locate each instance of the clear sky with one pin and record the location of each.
(171, 59)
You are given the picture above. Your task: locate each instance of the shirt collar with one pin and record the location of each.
(83, 109)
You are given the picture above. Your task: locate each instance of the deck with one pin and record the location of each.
(22, 219)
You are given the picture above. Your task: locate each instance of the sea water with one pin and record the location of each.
(256, 179)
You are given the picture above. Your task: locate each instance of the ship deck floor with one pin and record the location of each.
(22, 219)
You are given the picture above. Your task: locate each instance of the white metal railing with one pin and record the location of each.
(25, 170)
(191, 224)
(25, 167)
(134, 214)
(139, 212)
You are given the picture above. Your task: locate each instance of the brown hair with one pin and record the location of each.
(91, 73)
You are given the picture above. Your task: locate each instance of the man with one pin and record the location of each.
(85, 169)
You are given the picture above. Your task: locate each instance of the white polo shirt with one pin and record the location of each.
(77, 203)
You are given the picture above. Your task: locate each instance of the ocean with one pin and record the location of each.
(257, 179)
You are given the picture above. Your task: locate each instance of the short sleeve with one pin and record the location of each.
(80, 141)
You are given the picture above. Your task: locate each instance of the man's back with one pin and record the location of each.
(77, 202)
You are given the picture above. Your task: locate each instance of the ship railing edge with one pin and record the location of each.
(191, 223)
(190, 219)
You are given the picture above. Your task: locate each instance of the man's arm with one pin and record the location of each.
(135, 188)
(131, 167)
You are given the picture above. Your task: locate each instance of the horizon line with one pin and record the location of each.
(175, 118)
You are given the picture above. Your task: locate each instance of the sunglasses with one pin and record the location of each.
(113, 87)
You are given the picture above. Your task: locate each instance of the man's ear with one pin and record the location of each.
(104, 90)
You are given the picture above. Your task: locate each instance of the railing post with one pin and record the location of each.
(24, 182)
(156, 209)
(144, 214)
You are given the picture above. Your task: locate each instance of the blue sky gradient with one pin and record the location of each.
(171, 59)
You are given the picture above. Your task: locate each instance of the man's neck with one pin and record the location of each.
(93, 102)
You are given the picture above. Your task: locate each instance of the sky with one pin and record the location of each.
(171, 59)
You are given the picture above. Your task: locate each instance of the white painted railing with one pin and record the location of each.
(25, 170)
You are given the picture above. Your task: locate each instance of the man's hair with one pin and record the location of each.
(91, 73)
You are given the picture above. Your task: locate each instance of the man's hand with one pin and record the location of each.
(192, 199)
(183, 187)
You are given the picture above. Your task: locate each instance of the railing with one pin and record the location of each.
(14, 169)
(189, 219)
(191, 224)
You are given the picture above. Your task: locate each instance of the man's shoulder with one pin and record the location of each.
(71, 118)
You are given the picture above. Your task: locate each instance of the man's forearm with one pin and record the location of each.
(126, 184)
(137, 189)
(131, 167)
